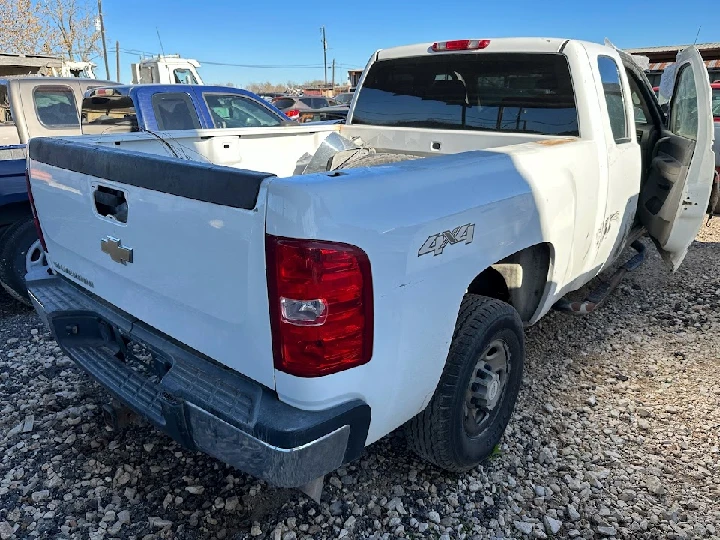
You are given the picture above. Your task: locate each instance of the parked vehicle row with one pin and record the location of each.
(35, 106)
(301, 292)
(293, 106)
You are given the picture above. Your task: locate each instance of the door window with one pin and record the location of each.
(231, 110)
(614, 99)
(174, 111)
(640, 106)
(684, 115)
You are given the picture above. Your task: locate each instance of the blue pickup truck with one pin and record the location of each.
(167, 107)
(46, 106)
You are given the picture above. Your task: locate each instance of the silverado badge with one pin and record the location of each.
(114, 248)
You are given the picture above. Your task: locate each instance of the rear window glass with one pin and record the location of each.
(231, 110)
(521, 93)
(308, 102)
(174, 111)
(184, 76)
(111, 114)
(716, 101)
(284, 103)
(344, 99)
(55, 106)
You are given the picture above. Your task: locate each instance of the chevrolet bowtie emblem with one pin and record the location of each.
(117, 252)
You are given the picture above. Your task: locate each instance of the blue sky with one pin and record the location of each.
(288, 33)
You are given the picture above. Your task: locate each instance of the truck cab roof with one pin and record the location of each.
(520, 44)
(128, 89)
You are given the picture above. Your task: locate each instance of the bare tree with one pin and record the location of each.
(270, 87)
(22, 30)
(72, 27)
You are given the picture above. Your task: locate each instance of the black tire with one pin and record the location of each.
(438, 433)
(16, 241)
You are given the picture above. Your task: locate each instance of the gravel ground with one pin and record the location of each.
(616, 434)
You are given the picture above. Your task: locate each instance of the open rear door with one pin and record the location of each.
(674, 198)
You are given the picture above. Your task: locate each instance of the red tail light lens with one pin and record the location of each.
(34, 211)
(293, 113)
(460, 45)
(321, 306)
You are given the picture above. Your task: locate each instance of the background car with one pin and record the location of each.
(292, 105)
(345, 98)
(335, 114)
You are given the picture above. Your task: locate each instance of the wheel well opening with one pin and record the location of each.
(520, 279)
(490, 283)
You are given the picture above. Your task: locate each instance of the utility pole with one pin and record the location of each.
(324, 44)
(333, 77)
(102, 34)
(117, 59)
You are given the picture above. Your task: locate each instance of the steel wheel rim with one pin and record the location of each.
(486, 387)
(35, 257)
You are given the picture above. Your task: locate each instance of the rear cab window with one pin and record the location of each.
(108, 114)
(55, 107)
(232, 110)
(510, 92)
(174, 111)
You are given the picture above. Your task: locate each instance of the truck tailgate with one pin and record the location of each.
(184, 252)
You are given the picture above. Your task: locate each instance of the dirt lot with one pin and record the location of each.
(616, 434)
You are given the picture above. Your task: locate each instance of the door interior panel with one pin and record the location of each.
(647, 135)
(660, 196)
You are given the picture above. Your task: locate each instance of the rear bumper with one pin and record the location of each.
(201, 404)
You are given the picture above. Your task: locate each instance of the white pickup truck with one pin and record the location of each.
(280, 300)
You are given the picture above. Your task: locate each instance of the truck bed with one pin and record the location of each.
(278, 150)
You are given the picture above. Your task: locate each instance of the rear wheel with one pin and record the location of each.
(20, 252)
(475, 397)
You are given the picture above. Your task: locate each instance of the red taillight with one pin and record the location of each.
(460, 45)
(34, 211)
(293, 113)
(717, 118)
(321, 306)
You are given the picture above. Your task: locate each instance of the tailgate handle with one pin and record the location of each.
(111, 203)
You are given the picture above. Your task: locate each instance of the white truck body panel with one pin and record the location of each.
(199, 269)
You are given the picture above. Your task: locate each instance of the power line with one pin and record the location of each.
(230, 64)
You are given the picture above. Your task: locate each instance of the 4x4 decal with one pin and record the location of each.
(436, 243)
